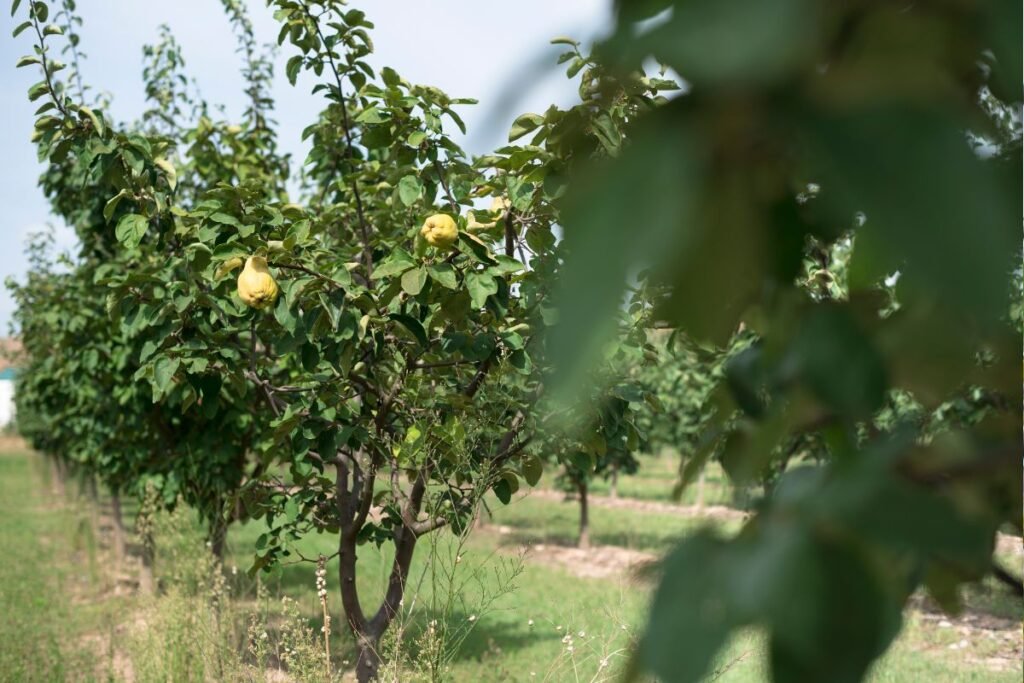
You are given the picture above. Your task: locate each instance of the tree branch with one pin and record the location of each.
(364, 229)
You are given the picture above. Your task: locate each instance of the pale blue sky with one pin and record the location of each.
(469, 48)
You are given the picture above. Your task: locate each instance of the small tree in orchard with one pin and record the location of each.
(609, 446)
(366, 349)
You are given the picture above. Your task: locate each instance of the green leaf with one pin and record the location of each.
(477, 248)
(169, 172)
(409, 189)
(94, 118)
(689, 607)
(480, 286)
(38, 90)
(413, 280)
(292, 68)
(397, 263)
(731, 41)
(839, 363)
(225, 219)
(656, 184)
(285, 316)
(413, 325)
(523, 125)
(163, 376)
(503, 491)
(948, 218)
(444, 275)
(26, 61)
(533, 469)
(370, 115)
(575, 67)
(130, 229)
(111, 205)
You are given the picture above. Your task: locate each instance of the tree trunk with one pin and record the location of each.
(218, 536)
(613, 485)
(368, 662)
(584, 538)
(57, 478)
(368, 633)
(700, 489)
(118, 524)
(147, 583)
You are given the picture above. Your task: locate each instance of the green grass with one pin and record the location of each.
(56, 606)
(655, 480)
(543, 520)
(60, 616)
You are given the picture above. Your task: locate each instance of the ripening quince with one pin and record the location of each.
(256, 286)
(440, 231)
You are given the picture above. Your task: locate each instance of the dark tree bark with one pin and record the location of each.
(583, 541)
(368, 632)
(218, 536)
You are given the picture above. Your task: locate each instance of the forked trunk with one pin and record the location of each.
(368, 632)
(584, 538)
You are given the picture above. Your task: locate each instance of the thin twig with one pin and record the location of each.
(444, 184)
(349, 146)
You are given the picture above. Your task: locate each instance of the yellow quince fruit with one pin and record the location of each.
(440, 231)
(256, 286)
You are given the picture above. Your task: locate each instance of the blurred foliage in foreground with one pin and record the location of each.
(894, 128)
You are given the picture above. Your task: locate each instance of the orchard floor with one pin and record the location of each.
(71, 613)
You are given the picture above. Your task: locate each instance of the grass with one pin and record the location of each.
(55, 602)
(655, 480)
(63, 622)
(542, 520)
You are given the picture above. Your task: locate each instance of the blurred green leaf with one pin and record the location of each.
(655, 185)
(932, 207)
(838, 362)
